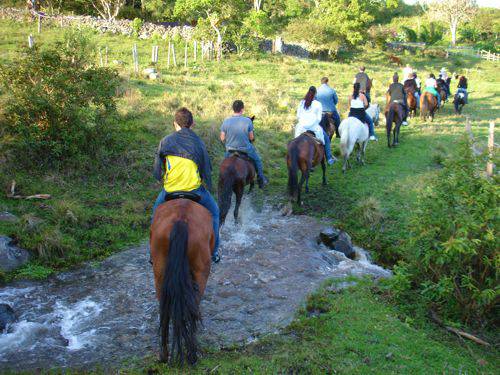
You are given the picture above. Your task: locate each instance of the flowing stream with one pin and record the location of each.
(104, 313)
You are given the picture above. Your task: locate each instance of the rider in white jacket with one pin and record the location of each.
(309, 114)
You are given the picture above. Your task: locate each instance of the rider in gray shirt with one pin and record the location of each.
(237, 134)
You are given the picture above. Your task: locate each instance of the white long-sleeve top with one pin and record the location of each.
(309, 119)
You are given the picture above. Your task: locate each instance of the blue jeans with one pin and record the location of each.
(417, 98)
(464, 91)
(439, 98)
(328, 150)
(371, 127)
(252, 154)
(336, 118)
(206, 201)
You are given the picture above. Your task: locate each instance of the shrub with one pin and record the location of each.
(431, 34)
(451, 256)
(137, 26)
(59, 103)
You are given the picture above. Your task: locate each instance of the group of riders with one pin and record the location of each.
(182, 162)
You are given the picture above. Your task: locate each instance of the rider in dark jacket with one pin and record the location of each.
(397, 94)
(182, 164)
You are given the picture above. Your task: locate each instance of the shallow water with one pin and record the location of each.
(105, 313)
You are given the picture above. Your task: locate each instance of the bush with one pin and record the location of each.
(59, 103)
(137, 24)
(381, 35)
(451, 257)
(431, 34)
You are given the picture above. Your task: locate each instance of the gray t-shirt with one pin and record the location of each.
(236, 129)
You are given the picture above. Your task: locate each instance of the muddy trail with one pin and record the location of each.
(102, 314)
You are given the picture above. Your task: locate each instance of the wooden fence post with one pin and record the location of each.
(31, 42)
(135, 57)
(173, 54)
(154, 55)
(39, 24)
(185, 54)
(168, 55)
(491, 147)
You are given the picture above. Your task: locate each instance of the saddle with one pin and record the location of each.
(239, 154)
(183, 195)
(310, 134)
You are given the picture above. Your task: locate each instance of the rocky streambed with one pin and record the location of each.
(104, 313)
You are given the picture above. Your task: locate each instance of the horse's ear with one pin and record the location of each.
(252, 118)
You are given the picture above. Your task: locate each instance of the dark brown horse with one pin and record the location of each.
(181, 241)
(393, 114)
(235, 173)
(428, 105)
(303, 152)
(410, 87)
(442, 90)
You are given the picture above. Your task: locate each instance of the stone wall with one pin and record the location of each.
(123, 27)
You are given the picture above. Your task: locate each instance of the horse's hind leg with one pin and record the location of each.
(323, 167)
(239, 195)
(301, 182)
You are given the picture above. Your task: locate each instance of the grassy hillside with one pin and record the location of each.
(98, 209)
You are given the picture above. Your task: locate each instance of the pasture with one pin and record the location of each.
(98, 209)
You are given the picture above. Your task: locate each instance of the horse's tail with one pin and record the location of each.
(424, 105)
(293, 181)
(178, 300)
(389, 119)
(224, 193)
(344, 141)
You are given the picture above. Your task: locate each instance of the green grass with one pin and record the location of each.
(99, 209)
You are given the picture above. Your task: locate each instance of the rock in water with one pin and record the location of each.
(7, 216)
(346, 248)
(7, 316)
(337, 240)
(328, 237)
(11, 256)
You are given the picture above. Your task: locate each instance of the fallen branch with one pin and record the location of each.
(13, 194)
(457, 332)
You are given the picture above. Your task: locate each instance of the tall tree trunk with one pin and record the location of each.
(453, 29)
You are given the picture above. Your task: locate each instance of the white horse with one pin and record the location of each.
(373, 111)
(353, 132)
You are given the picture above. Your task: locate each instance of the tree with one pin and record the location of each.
(332, 24)
(218, 13)
(453, 12)
(108, 9)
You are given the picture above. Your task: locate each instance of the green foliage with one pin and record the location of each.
(431, 33)
(59, 103)
(380, 35)
(332, 24)
(410, 35)
(452, 259)
(137, 26)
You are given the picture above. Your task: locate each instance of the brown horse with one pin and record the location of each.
(181, 241)
(303, 152)
(236, 171)
(393, 114)
(410, 87)
(428, 105)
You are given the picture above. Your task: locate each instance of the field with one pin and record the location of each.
(98, 209)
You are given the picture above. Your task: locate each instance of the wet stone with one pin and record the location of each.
(269, 265)
(8, 217)
(7, 316)
(11, 256)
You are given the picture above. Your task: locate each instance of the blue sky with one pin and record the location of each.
(481, 3)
